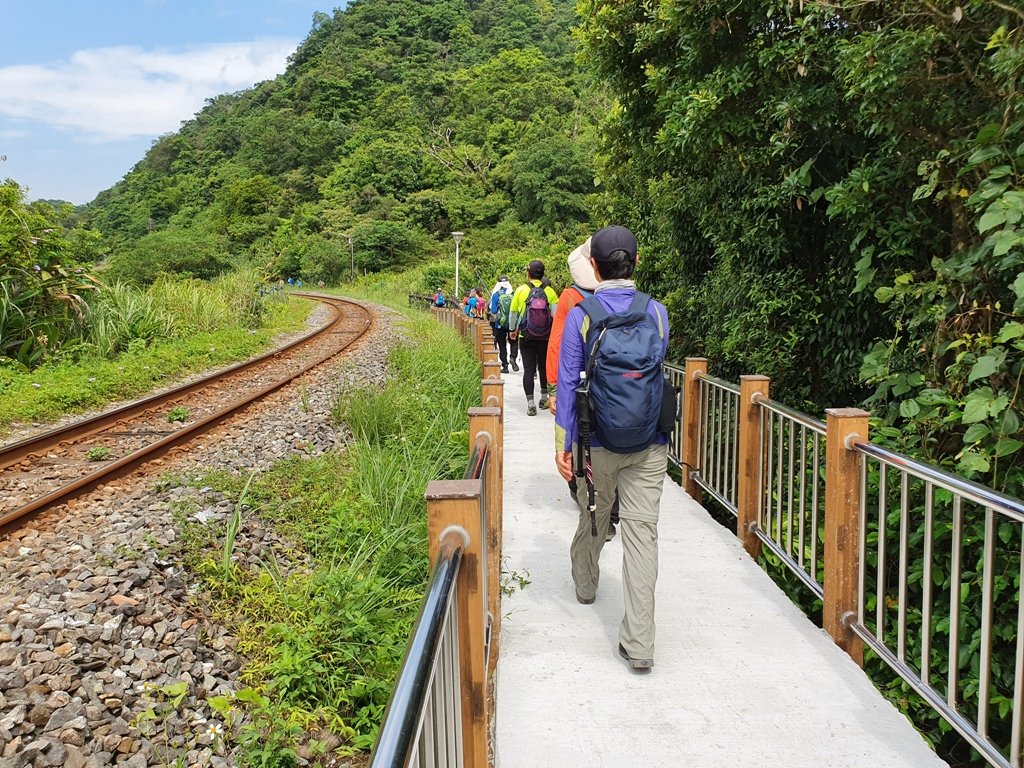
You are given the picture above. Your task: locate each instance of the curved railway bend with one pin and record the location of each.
(96, 611)
(55, 466)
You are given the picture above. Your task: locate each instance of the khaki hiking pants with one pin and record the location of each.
(639, 477)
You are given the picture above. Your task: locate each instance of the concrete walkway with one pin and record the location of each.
(741, 676)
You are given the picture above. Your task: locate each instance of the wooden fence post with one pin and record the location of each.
(490, 351)
(689, 455)
(492, 370)
(493, 395)
(457, 502)
(480, 327)
(750, 449)
(487, 422)
(842, 525)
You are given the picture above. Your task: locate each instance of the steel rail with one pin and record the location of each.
(128, 463)
(17, 452)
(968, 489)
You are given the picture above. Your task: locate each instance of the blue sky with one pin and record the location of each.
(85, 87)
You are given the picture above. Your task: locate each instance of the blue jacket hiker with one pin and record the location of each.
(637, 471)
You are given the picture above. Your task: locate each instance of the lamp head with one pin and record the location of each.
(457, 236)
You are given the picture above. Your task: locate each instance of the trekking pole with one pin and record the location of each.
(584, 419)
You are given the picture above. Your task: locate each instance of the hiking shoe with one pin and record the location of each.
(586, 601)
(515, 366)
(504, 369)
(637, 664)
(611, 532)
(531, 410)
(543, 403)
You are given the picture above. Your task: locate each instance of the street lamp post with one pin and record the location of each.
(458, 237)
(352, 256)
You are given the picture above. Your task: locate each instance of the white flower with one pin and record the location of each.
(215, 729)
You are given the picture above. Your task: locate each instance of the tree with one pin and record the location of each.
(189, 252)
(551, 178)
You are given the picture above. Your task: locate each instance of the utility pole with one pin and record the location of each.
(352, 256)
(458, 237)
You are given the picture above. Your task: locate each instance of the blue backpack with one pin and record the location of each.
(625, 374)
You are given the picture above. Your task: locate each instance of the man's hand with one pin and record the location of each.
(551, 403)
(513, 335)
(563, 460)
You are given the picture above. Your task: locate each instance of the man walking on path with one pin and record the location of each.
(637, 474)
(499, 313)
(584, 281)
(533, 307)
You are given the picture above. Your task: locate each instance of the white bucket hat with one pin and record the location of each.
(580, 269)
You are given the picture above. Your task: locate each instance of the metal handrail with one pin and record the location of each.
(399, 733)
(718, 382)
(677, 376)
(790, 413)
(968, 489)
(718, 440)
(789, 489)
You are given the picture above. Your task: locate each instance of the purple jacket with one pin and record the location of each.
(572, 353)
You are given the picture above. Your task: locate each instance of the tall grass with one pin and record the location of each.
(172, 307)
(134, 339)
(326, 641)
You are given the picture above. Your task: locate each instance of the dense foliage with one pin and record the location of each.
(45, 278)
(816, 181)
(395, 123)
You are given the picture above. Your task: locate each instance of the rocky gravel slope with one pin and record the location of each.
(96, 622)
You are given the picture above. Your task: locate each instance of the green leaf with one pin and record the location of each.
(884, 294)
(976, 432)
(988, 132)
(976, 405)
(1007, 445)
(1011, 330)
(984, 154)
(991, 218)
(973, 462)
(998, 405)
(1003, 241)
(984, 368)
(1010, 422)
(909, 408)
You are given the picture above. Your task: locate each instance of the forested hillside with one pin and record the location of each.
(395, 123)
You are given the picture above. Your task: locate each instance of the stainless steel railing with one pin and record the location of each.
(791, 478)
(718, 440)
(941, 559)
(949, 567)
(677, 376)
(422, 725)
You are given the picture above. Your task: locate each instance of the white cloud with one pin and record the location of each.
(111, 94)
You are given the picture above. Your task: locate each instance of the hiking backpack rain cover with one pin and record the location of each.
(504, 305)
(625, 374)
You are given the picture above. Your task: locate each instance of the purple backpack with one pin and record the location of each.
(537, 323)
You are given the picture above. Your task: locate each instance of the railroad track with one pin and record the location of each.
(55, 466)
